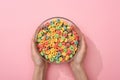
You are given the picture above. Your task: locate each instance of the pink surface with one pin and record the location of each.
(99, 20)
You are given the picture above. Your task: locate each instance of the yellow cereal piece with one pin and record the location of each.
(55, 40)
(68, 27)
(60, 59)
(39, 35)
(52, 50)
(52, 29)
(62, 28)
(54, 20)
(75, 48)
(61, 21)
(63, 53)
(53, 53)
(62, 47)
(42, 41)
(56, 24)
(48, 34)
(44, 31)
(67, 57)
(65, 23)
(73, 52)
(71, 38)
(61, 40)
(52, 44)
(47, 52)
(61, 31)
(49, 26)
(49, 56)
(53, 34)
(66, 39)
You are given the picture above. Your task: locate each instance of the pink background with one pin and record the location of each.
(99, 20)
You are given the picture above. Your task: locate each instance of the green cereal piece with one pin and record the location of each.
(63, 38)
(71, 55)
(38, 40)
(65, 50)
(53, 25)
(47, 30)
(60, 44)
(51, 22)
(58, 27)
(41, 32)
(58, 20)
(58, 54)
(42, 37)
(71, 48)
(47, 37)
(56, 58)
(52, 60)
(39, 35)
(65, 32)
(41, 53)
(56, 35)
(46, 56)
(73, 52)
(58, 61)
(65, 28)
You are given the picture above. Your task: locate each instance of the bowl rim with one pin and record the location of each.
(76, 29)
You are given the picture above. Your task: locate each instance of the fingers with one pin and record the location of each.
(33, 48)
(81, 53)
(83, 43)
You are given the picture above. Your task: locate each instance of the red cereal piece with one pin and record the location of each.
(46, 42)
(74, 32)
(67, 44)
(72, 42)
(63, 60)
(47, 24)
(58, 32)
(68, 51)
(65, 35)
(60, 49)
(56, 45)
(40, 49)
(38, 45)
(72, 27)
(63, 43)
(45, 48)
(76, 37)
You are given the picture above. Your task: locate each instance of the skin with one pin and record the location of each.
(40, 66)
(76, 64)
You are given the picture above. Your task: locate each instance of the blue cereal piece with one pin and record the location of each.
(76, 42)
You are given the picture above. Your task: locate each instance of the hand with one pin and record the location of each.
(40, 65)
(36, 57)
(78, 59)
(76, 63)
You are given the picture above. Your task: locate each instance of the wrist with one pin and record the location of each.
(39, 72)
(76, 67)
(38, 67)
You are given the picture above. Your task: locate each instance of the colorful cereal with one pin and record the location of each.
(57, 41)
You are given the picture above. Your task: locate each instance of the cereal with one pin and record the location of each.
(57, 41)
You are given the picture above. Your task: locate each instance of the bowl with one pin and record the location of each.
(57, 40)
